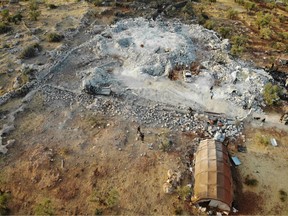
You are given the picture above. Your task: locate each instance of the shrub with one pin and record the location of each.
(265, 33)
(54, 37)
(30, 51)
(209, 24)
(3, 204)
(232, 14)
(5, 14)
(112, 198)
(261, 140)
(188, 9)
(184, 192)
(272, 94)
(263, 20)
(4, 28)
(44, 208)
(33, 5)
(283, 195)
(34, 15)
(97, 2)
(52, 6)
(251, 181)
(225, 32)
(15, 18)
(249, 5)
(165, 145)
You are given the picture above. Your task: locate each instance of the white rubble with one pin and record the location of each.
(142, 53)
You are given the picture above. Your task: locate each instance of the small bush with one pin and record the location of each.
(225, 32)
(184, 192)
(97, 2)
(232, 14)
(112, 198)
(263, 20)
(3, 204)
(272, 94)
(15, 18)
(44, 208)
(261, 140)
(34, 14)
(52, 6)
(4, 28)
(236, 50)
(265, 33)
(5, 14)
(54, 37)
(249, 5)
(98, 211)
(251, 181)
(165, 145)
(209, 24)
(30, 51)
(283, 195)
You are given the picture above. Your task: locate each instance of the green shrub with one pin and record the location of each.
(263, 20)
(261, 140)
(249, 5)
(184, 192)
(15, 18)
(54, 37)
(239, 40)
(265, 33)
(232, 14)
(5, 14)
(188, 9)
(272, 94)
(112, 198)
(44, 208)
(209, 24)
(3, 204)
(225, 32)
(34, 15)
(165, 145)
(97, 2)
(52, 6)
(33, 5)
(251, 181)
(236, 50)
(283, 195)
(4, 28)
(30, 51)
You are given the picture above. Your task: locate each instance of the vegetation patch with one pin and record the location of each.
(261, 140)
(4, 28)
(251, 181)
(54, 37)
(44, 208)
(272, 94)
(3, 203)
(30, 51)
(283, 195)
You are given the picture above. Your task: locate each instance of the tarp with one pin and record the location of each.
(213, 180)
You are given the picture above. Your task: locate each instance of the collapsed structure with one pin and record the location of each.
(213, 180)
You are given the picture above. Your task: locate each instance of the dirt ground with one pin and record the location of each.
(267, 164)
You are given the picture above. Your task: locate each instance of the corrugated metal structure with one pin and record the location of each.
(213, 180)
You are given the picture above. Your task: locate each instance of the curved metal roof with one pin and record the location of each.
(213, 180)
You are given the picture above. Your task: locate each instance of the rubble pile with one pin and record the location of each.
(148, 113)
(147, 50)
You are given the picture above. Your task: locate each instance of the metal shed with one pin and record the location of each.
(213, 180)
